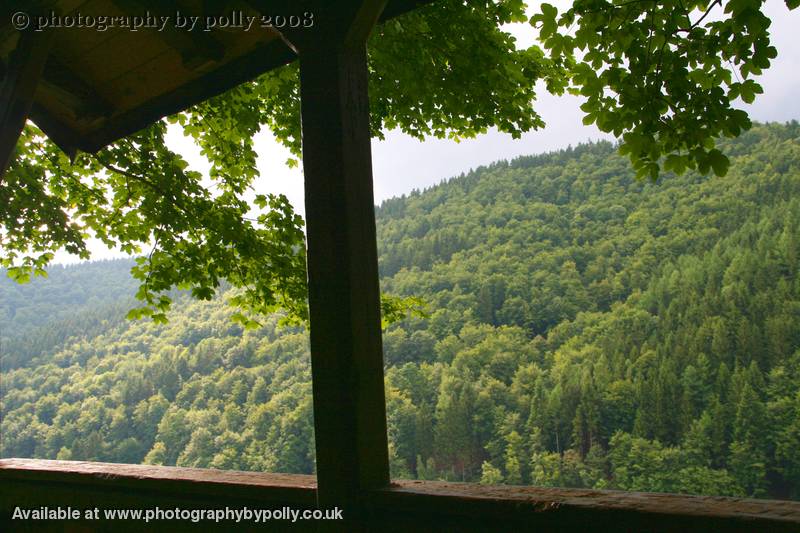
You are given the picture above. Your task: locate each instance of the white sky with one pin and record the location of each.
(401, 163)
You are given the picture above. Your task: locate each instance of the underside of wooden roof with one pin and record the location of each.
(99, 85)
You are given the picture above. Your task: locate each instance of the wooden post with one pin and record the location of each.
(344, 297)
(18, 89)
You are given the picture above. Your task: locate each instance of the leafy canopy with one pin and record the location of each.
(660, 75)
(663, 75)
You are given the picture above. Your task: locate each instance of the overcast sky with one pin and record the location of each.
(401, 163)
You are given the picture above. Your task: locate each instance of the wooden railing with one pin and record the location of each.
(404, 506)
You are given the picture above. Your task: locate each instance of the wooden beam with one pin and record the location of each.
(272, 55)
(18, 89)
(83, 98)
(344, 297)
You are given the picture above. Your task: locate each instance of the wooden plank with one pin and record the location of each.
(79, 94)
(436, 506)
(187, 481)
(344, 297)
(19, 87)
(196, 48)
(33, 484)
(271, 55)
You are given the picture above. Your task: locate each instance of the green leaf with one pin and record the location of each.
(719, 162)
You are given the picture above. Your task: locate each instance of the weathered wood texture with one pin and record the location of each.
(18, 88)
(344, 297)
(289, 487)
(438, 506)
(406, 506)
(29, 484)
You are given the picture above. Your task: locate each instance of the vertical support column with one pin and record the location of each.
(18, 88)
(344, 297)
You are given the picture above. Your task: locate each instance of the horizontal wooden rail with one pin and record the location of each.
(196, 482)
(470, 507)
(33, 483)
(405, 506)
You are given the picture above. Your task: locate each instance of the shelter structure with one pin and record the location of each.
(86, 89)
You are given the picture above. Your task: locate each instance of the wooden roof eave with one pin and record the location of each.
(101, 122)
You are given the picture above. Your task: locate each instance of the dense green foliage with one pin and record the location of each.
(37, 318)
(662, 76)
(585, 329)
(650, 70)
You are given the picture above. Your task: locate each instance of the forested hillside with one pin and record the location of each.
(75, 301)
(584, 329)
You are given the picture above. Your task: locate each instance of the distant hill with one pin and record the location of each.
(585, 329)
(65, 291)
(77, 300)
